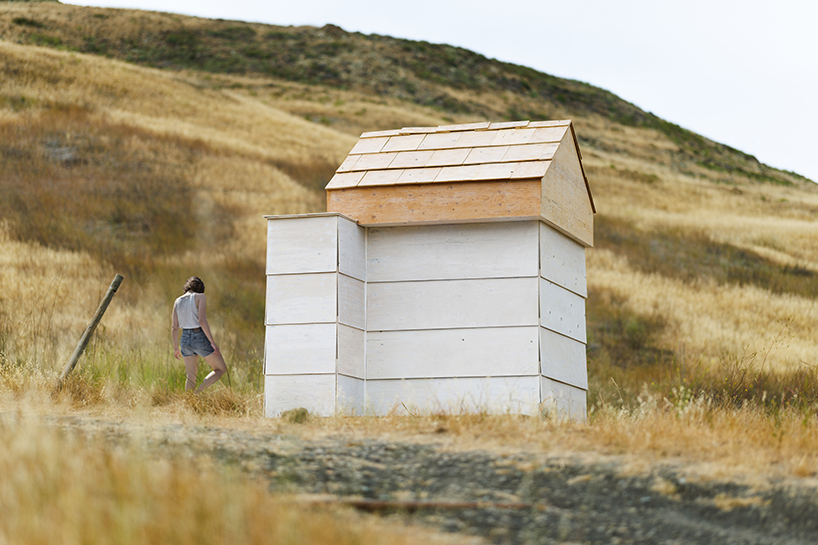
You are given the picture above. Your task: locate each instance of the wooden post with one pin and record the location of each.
(86, 336)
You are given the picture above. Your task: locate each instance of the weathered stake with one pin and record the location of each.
(89, 331)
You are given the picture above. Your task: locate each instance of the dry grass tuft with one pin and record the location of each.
(62, 488)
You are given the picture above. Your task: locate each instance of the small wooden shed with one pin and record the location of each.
(448, 274)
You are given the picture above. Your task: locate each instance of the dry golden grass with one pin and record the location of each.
(62, 488)
(240, 147)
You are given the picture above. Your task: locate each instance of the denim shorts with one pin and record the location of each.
(194, 341)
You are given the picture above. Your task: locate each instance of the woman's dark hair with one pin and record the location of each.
(194, 284)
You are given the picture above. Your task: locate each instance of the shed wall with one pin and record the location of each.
(486, 316)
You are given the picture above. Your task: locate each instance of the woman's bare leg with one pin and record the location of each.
(191, 367)
(216, 361)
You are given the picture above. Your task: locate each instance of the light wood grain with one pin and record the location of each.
(411, 159)
(562, 260)
(562, 311)
(298, 245)
(475, 139)
(508, 351)
(345, 179)
(316, 393)
(348, 163)
(497, 395)
(441, 141)
(449, 157)
(418, 175)
(537, 124)
(550, 134)
(513, 136)
(373, 161)
(351, 351)
(351, 302)
(373, 134)
(438, 202)
(508, 124)
(457, 173)
(530, 169)
(404, 143)
(437, 252)
(530, 152)
(563, 400)
(495, 171)
(350, 396)
(479, 126)
(485, 155)
(300, 349)
(566, 203)
(380, 177)
(563, 359)
(451, 304)
(302, 299)
(370, 145)
(351, 249)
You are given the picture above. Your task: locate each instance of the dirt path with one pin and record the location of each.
(520, 498)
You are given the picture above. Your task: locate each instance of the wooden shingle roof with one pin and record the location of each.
(449, 153)
(466, 154)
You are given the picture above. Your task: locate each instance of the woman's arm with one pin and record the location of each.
(174, 333)
(202, 304)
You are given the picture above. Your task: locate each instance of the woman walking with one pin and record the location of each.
(190, 314)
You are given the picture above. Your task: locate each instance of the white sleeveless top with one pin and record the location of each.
(186, 311)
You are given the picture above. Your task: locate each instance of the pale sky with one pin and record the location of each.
(744, 73)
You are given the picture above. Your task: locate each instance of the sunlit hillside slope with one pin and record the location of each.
(152, 144)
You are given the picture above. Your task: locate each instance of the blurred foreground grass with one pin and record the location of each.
(61, 487)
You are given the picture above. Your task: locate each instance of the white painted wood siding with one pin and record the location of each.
(506, 351)
(435, 252)
(316, 393)
(300, 349)
(302, 299)
(562, 261)
(351, 249)
(564, 400)
(454, 395)
(350, 394)
(351, 351)
(563, 359)
(452, 304)
(351, 302)
(302, 245)
(562, 311)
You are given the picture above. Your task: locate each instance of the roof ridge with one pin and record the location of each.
(462, 127)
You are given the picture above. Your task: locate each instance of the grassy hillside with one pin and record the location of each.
(151, 144)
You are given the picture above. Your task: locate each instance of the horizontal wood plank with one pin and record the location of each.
(562, 311)
(563, 400)
(404, 143)
(316, 393)
(301, 245)
(563, 359)
(436, 252)
(451, 304)
(351, 302)
(562, 260)
(345, 179)
(351, 249)
(301, 299)
(351, 351)
(369, 145)
(498, 395)
(299, 349)
(350, 396)
(508, 351)
(437, 202)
